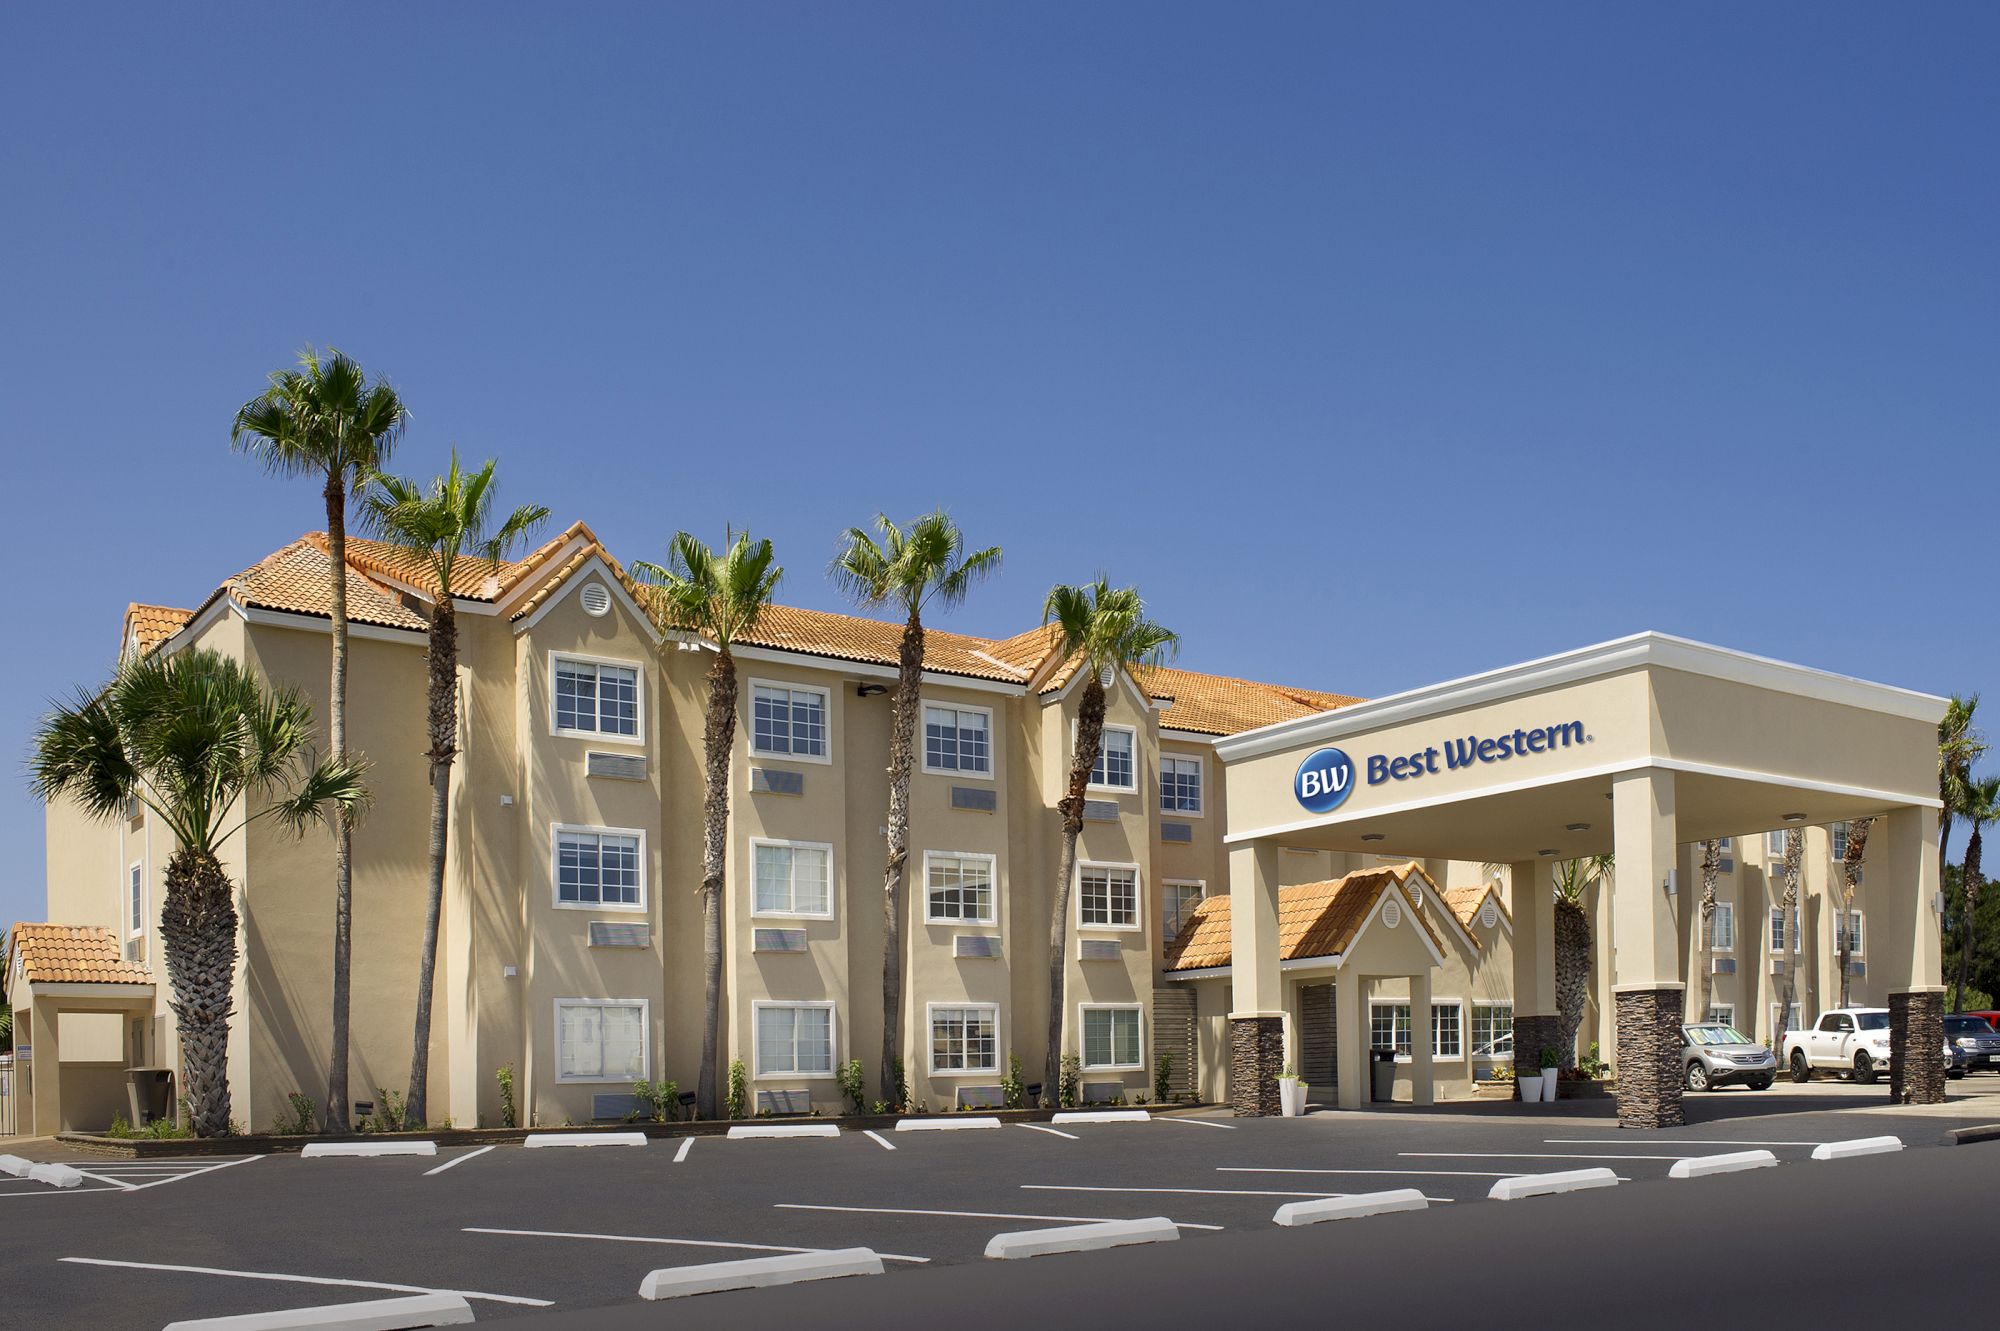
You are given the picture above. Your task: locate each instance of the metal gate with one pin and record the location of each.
(1174, 1033)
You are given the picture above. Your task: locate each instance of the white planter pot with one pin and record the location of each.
(1291, 1096)
(1531, 1089)
(1549, 1084)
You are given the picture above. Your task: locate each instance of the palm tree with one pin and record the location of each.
(907, 568)
(1711, 866)
(325, 420)
(446, 526)
(1960, 745)
(1979, 804)
(1106, 630)
(1850, 878)
(192, 736)
(720, 598)
(1788, 928)
(1574, 878)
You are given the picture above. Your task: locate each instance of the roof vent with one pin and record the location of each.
(596, 599)
(1392, 914)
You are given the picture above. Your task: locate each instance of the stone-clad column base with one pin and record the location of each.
(1256, 1057)
(1531, 1036)
(1916, 1045)
(1649, 1057)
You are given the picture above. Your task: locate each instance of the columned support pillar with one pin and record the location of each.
(1905, 953)
(1533, 887)
(1646, 983)
(1257, 996)
(1350, 1015)
(1422, 1057)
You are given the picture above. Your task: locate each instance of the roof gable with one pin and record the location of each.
(1315, 920)
(73, 954)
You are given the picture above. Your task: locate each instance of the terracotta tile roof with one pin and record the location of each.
(1466, 901)
(1219, 705)
(296, 579)
(147, 626)
(1314, 919)
(878, 642)
(569, 567)
(74, 954)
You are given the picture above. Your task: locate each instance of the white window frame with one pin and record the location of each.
(1778, 1031)
(635, 740)
(757, 1069)
(1471, 1043)
(1773, 925)
(1720, 907)
(832, 880)
(1409, 1023)
(750, 721)
(1836, 839)
(135, 898)
(645, 1007)
(1200, 886)
(992, 917)
(1774, 845)
(1138, 895)
(1860, 948)
(1727, 1009)
(924, 747)
(1201, 784)
(1083, 1039)
(930, 1038)
(555, 868)
(1133, 731)
(1439, 1005)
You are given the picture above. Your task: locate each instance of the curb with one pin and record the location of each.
(1985, 1132)
(1103, 1116)
(1350, 1208)
(1081, 1238)
(1701, 1166)
(1859, 1146)
(743, 1132)
(676, 1282)
(1543, 1185)
(540, 1139)
(944, 1124)
(371, 1315)
(322, 1150)
(56, 1176)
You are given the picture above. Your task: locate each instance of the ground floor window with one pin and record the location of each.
(965, 1039)
(1448, 1029)
(600, 1039)
(1389, 1026)
(1786, 1023)
(1111, 1038)
(794, 1039)
(1491, 1024)
(1722, 1014)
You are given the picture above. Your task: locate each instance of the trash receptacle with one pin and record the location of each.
(1382, 1075)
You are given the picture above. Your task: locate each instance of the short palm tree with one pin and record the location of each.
(908, 568)
(1979, 804)
(1850, 878)
(1574, 879)
(325, 420)
(1788, 927)
(1711, 866)
(447, 525)
(718, 597)
(196, 739)
(1960, 745)
(1106, 631)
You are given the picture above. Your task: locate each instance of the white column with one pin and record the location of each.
(1423, 1085)
(1532, 885)
(1350, 1015)
(1256, 988)
(1643, 915)
(1902, 942)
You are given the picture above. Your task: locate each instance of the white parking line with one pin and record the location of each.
(670, 1243)
(687, 1144)
(1621, 1141)
(879, 1139)
(968, 1215)
(309, 1280)
(1390, 1173)
(116, 1183)
(1198, 1192)
(1054, 1132)
(1524, 1155)
(210, 1169)
(1196, 1123)
(456, 1160)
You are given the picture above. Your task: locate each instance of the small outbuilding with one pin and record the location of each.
(80, 1015)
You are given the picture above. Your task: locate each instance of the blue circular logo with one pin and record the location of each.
(1324, 780)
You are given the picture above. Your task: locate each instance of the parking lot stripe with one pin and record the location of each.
(282, 1279)
(1195, 1122)
(116, 1183)
(1524, 1155)
(1197, 1192)
(1391, 1173)
(879, 1139)
(670, 1243)
(968, 1215)
(457, 1160)
(207, 1169)
(687, 1144)
(1685, 1141)
(1054, 1132)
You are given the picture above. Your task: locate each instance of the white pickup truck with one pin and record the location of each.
(1852, 1039)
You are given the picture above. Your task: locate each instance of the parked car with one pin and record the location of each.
(1717, 1055)
(1993, 1017)
(1974, 1043)
(1854, 1040)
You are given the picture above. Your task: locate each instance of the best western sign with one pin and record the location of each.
(1326, 778)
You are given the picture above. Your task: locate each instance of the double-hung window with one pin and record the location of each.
(794, 1039)
(1774, 845)
(1720, 930)
(135, 909)
(1852, 929)
(1722, 1014)
(1180, 783)
(1177, 902)
(1116, 767)
(1778, 930)
(1107, 896)
(1491, 1023)
(958, 740)
(792, 878)
(1389, 1026)
(596, 698)
(965, 1038)
(1839, 833)
(787, 721)
(601, 1039)
(1111, 1038)
(958, 888)
(1787, 1021)
(600, 867)
(1448, 1029)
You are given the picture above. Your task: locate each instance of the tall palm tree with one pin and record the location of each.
(325, 420)
(1850, 878)
(907, 568)
(1711, 866)
(1788, 928)
(719, 597)
(197, 740)
(1979, 804)
(1960, 745)
(1107, 631)
(446, 525)
(1574, 878)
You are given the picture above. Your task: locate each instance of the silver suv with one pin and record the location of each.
(1717, 1055)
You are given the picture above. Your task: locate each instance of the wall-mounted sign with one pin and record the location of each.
(1324, 780)
(1473, 749)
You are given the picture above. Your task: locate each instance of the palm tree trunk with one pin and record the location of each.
(902, 757)
(1711, 865)
(1788, 930)
(443, 663)
(1969, 873)
(343, 834)
(1089, 736)
(718, 744)
(1850, 867)
(1572, 939)
(198, 930)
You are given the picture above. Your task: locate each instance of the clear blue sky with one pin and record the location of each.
(1376, 343)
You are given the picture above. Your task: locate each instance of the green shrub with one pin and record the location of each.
(738, 1104)
(301, 1122)
(1012, 1092)
(1071, 1084)
(853, 1086)
(663, 1097)
(389, 1116)
(899, 1084)
(505, 1076)
(1161, 1068)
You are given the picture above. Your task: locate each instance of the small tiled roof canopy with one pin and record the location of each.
(1314, 919)
(73, 954)
(1466, 901)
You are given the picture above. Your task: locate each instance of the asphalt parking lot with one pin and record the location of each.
(519, 1231)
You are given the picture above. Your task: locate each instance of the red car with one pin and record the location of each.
(1992, 1018)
